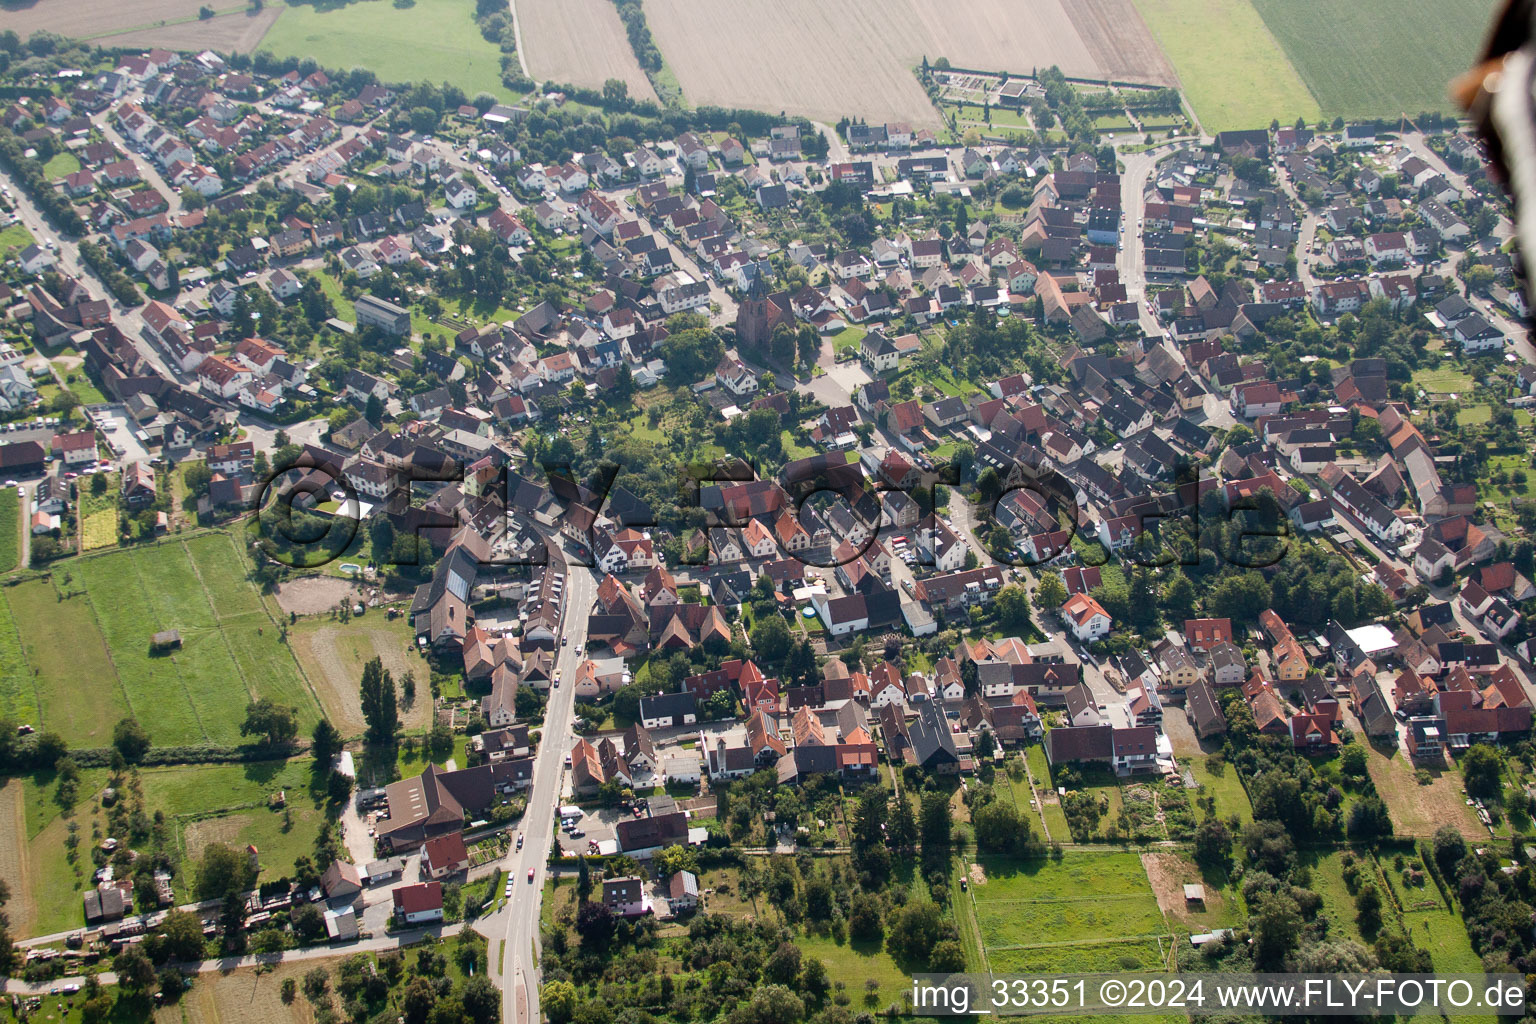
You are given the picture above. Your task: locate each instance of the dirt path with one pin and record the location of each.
(15, 866)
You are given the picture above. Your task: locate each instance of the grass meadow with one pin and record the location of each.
(10, 529)
(424, 41)
(1084, 912)
(1378, 58)
(109, 606)
(1234, 71)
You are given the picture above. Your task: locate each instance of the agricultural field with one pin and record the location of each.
(133, 24)
(333, 656)
(1087, 911)
(807, 64)
(580, 42)
(110, 605)
(1417, 810)
(1378, 58)
(10, 529)
(425, 40)
(1234, 72)
(228, 803)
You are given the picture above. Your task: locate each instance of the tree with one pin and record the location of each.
(913, 931)
(864, 921)
(1213, 844)
(1369, 820)
(482, 1003)
(594, 923)
(308, 923)
(130, 740)
(276, 724)
(1276, 929)
(903, 830)
(1449, 849)
(770, 1004)
(947, 957)
(324, 744)
(181, 937)
(135, 972)
(558, 998)
(378, 702)
(1352, 761)
(998, 828)
(1481, 770)
(1051, 592)
(935, 822)
(223, 872)
(783, 964)
(770, 639)
(420, 995)
(1012, 604)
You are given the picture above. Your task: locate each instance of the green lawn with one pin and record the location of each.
(1044, 901)
(10, 529)
(1378, 58)
(1228, 790)
(1509, 464)
(115, 602)
(428, 40)
(14, 239)
(332, 289)
(1472, 415)
(76, 686)
(855, 963)
(228, 803)
(60, 165)
(1233, 69)
(18, 700)
(1338, 903)
(98, 513)
(1443, 380)
(848, 338)
(1039, 771)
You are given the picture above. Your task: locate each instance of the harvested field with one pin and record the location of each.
(580, 42)
(14, 862)
(1116, 35)
(1420, 810)
(241, 997)
(169, 23)
(237, 31)
(830, 60)
(333, 655)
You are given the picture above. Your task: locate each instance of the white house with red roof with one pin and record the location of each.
(1085, 617)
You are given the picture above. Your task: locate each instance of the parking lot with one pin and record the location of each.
(595, 827)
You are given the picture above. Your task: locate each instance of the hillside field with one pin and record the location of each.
(1378, 58)
(425, 41)
(108, 606)
(1234, 72)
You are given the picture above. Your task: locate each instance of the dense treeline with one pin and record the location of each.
(633, 15)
